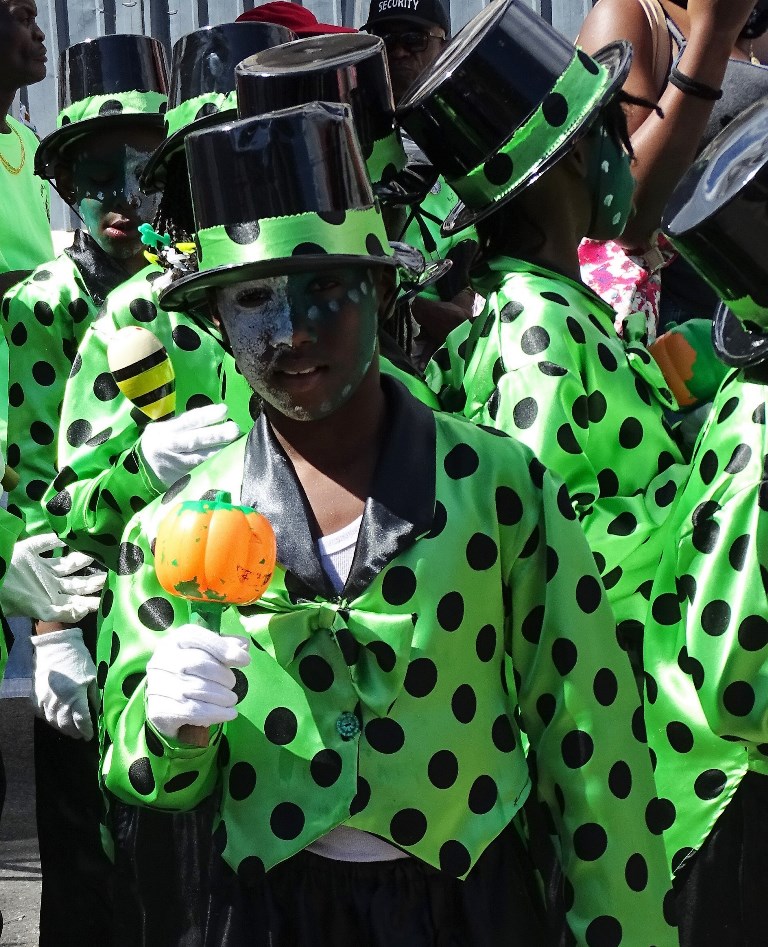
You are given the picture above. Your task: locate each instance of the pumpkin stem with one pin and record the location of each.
(223, 496)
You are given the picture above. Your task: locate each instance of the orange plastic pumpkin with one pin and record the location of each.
(215, 552)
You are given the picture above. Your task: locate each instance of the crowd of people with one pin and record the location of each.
(477, 325)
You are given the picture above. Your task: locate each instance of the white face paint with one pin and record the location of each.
(256, 315)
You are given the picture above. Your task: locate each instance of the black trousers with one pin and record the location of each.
(721, 891)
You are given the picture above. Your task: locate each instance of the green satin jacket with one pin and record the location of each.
(472, 608)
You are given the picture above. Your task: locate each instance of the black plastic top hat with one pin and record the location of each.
(105, 82)
(718, 219)
(203, 83)
(349, 68)
(280, 193)
(505, 100)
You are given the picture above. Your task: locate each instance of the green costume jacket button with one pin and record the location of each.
(348, 725)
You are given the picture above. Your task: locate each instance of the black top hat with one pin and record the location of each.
(105, 82)
(424, 12)
(349, 68)
(718, 219)
(203, 83)
(505, 100)
(283, 192)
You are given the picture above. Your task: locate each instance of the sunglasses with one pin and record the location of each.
(415, 41)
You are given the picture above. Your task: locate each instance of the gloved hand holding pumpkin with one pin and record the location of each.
(190, 679)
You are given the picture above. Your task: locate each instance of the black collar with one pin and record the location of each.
(100, 273)
(399, 510)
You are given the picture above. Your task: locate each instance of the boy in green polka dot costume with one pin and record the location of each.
(707, 629)
(434, 597)
(542, 362)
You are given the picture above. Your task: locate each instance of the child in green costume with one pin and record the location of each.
(433, 584)
(542, 362)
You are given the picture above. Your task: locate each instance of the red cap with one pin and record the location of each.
(302, 21)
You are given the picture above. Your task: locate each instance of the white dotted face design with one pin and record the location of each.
(304, 342)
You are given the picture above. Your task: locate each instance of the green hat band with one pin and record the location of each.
(387, 156)
(343, 233)
(747, 310)
(189, 111)
(118, 103)
(578, 90)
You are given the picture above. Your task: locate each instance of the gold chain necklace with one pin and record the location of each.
(7, 164)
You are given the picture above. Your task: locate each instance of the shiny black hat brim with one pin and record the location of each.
(51, 149)
(155, 173)
(191, 292)
(736, 345)
(616, 58)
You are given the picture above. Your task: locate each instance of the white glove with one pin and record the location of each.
(189, 680)
(65, 679)
(174, 447)
(45, 588)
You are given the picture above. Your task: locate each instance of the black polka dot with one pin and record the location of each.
(41, 276)
(485, 643)
(590, 841)
(552, 370)
(554, 108)
(753, 633)
(532, 624)
(243, 233)
(421, 677)
(443, 769)
(597, 407)
(130, 559)
(623, 525)
(439, 521)
(659, 815)
(666, 609)
(286, 821)
(408, 827)
(499, 169)
(250, 871)
(727, 409)
(607, 358)
(620, 780)
(710, 784)
(708, 467)
(156, 613)
(464, 704)
(482, 552)
(715, 617)
(154, 745)
(588, 63)
(41, 433)
(43, 313)
(384, 735)
(511, 311)
(577, 748)
(454, 858)
(737, 555)
(373, 245)
(680, 736)
(43, 373)
(564, 655)
(509, 506)
(580, 412)
(140, 776)
(362, 796)
(503, 734)
(78, 433)
(316, 673)
(636, 873)
(78, 309)
(576, 330)
(399, 585)
(450, 611)
(567, 439)
(461, 461)
(142, 310)
(630, 433)
(281, 726)
(564, 503)
(325, 768)
(349, 645)
(588, 594)
(242, 781)
(482, 795)
(186, 338)
(384, 654)
(608, 483)
(534, 340)
(545, 707)
(604, 931)
(111, 107)
(240, 687)
(524, 413)
(605, 687)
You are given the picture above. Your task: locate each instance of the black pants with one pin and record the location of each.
(309, 901)
(721, 891)
(76, 898)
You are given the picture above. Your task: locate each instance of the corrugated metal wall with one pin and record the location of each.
(70, 21)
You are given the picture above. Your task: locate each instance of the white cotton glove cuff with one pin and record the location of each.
(38, 586)
(64, 680)
(190, 681)
(172, 448)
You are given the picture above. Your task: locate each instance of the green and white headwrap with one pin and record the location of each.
(207, 103)
(579, 90)
(116, 103)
